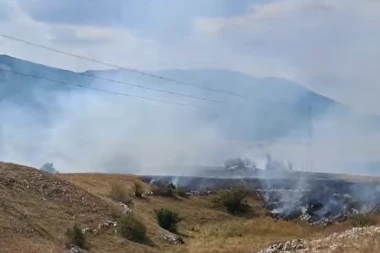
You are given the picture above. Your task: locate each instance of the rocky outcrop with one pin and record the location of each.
(288, 246)
(125, 209)
(173, 239)
(329, 244)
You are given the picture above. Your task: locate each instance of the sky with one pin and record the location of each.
(330, 46)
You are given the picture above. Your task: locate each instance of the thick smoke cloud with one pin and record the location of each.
(88, 131)
(81, 130)
(92, 132)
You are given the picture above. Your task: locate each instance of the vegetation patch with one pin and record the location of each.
(131, 228)
(234, 201)
(362, 220)
(167, 219)
(75, 237)
(138, 190)
(164, 190)
(182, 193)
(118, 193)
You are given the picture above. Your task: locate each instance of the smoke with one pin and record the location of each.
(92, 132)
(81, 130)
(89, 131)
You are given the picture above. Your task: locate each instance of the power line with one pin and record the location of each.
(144, 87)
(149, 88)
(152, 89)
(97, 89)
(117, 66)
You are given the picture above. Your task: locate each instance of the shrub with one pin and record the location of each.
(182, 193)
(131, 228)
(164, 191)
(167, 219)
(75, 237)
(138, 190)
(362, 220)
(116, 211)
(119, 194)
(233, 201)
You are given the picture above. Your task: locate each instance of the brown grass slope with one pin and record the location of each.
(36, 208)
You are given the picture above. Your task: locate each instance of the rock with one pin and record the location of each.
(287, 246)
(147, 194)
(104, 225)
(175, 239)
(75, 249)
(86, 230)
(125, 209)
(328, 244)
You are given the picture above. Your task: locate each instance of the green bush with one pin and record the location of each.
(131, 228)
(167, 219)
(118, 193)
(362, 220)
(138, 190)
(233, 201)
(75, 237)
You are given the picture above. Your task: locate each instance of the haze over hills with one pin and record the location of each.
(280, 105)
(70, 124)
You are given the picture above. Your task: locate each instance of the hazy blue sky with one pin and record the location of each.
(330, 45)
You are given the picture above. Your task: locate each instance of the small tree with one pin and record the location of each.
(138, 190)
(118, 193)
(131, 228)
(167, 219)
(75, 237)
(233, 201)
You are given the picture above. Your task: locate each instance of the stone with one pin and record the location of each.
(175, 239)
(287, 246)
(86, 230)
(125, 209)
(75, 249)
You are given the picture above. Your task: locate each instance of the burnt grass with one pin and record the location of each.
(317, 198)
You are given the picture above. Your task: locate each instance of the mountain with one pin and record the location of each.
(265, 108)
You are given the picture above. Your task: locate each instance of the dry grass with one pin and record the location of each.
(209, 229)
(362, 220)
(39, 225)
(118, 193)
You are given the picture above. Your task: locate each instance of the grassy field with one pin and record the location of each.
(37, 208)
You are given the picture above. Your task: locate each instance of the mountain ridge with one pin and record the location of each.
(281, 106)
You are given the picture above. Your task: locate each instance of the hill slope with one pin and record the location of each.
(37, 208)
